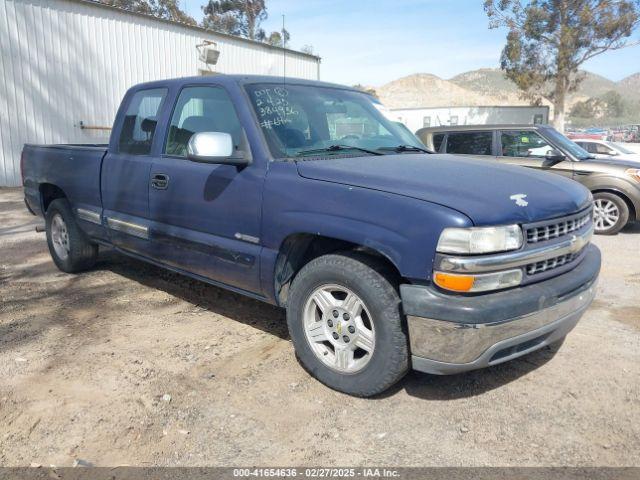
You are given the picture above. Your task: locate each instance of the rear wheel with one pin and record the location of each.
(70, 248)
(345, 322)
(610, 213)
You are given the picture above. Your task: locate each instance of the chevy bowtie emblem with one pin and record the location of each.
(339, 328)
(520, 199)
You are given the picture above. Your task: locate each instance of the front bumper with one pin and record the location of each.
(450, 334)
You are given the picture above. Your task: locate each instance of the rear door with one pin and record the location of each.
(206, 217)
(125, 173)
(528, 148)
(474, 144)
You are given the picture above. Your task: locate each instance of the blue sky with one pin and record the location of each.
(375, 41)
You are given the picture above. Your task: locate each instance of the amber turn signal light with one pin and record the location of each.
(456, 283)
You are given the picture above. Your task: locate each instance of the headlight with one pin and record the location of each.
(634, 173)
(477, 240)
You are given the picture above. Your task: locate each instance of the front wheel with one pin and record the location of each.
(344, 319)
(610, 213)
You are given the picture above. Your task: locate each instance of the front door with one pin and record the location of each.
(206, 217)
(529, 149)
(125, 182)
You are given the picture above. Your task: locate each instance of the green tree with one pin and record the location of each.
(242, 18)
(548, 40)
(615, 104)
(236, 17)
(591, 108)
(275, 38)
(165, 9)
(170, 10)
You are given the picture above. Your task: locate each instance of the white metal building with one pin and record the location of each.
(63, 62)
(416, 118)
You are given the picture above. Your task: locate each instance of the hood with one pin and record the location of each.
(481, 189)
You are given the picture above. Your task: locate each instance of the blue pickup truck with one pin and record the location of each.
(305, 195)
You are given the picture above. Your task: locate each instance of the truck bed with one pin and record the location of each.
(73, 168)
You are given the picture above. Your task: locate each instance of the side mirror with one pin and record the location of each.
(213, 147)
(554, 156)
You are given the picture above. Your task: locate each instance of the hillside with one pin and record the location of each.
(423, 89)
(630, 86)
(489, 86)
(593, 86)
(489, 81)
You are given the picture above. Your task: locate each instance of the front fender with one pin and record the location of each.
(622, 186)
(403, 229)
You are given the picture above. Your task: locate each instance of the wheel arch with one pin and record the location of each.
(633, 212)
(298, 249)
(48, 193)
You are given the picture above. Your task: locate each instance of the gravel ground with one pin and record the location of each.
(130, 365)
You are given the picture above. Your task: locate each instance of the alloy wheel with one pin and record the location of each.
(605, 214)
(60, 237)
(339, 328)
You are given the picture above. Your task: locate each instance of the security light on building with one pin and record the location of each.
(209, 52)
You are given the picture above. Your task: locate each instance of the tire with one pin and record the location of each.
(377, 334)
(611, 213)
(70, 248)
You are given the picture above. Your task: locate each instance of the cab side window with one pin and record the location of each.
(202, 109)
(524, 144)
(140, 121)
(470, 143)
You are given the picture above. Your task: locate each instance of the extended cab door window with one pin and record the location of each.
(140, 121)
(202, 109)
(470, 143)
(125, 182)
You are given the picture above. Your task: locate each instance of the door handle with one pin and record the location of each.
(160, 181)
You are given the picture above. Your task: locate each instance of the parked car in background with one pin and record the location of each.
(614, 182)
(305, 195)
(604, 149)
(584, 134)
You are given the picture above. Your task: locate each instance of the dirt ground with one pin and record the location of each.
(131, 365)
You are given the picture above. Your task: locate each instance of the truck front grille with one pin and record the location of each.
(551, 263)
(558, 228)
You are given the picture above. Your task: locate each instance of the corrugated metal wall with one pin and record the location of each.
(66, 61)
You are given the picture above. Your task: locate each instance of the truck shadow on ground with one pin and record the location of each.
(271, 319)
(474, 383)
(260, 315)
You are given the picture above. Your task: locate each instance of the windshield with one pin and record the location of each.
(301, 120)
(567, 145)
(621, 148)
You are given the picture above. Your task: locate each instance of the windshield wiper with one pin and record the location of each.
(405, 148)
(336, 148)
